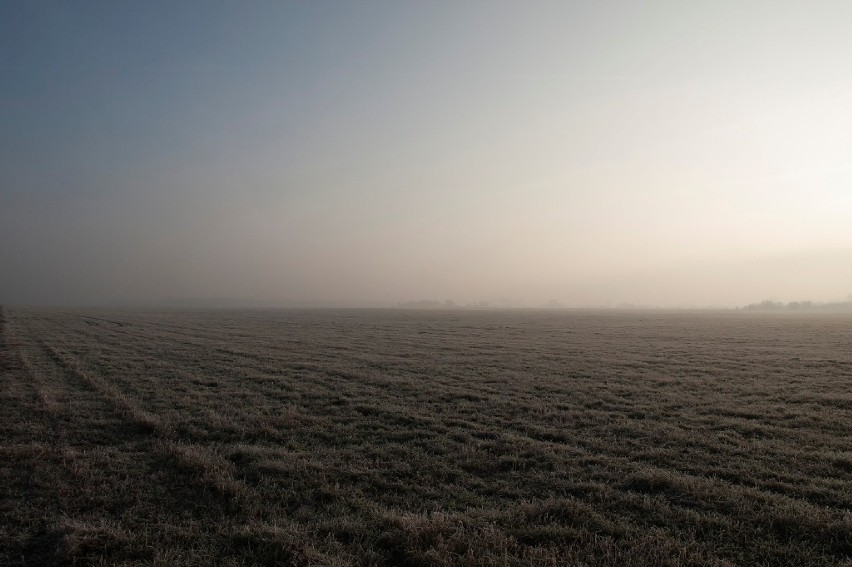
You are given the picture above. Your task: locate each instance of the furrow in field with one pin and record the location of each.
(201, 463)
(124, 405)
(85, 473)
(31, 456)
(340, 380)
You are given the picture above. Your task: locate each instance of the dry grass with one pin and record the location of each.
(424, 438)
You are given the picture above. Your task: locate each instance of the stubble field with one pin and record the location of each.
(349, 437)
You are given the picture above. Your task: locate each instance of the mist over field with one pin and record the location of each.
(371, 153)
(426, 284)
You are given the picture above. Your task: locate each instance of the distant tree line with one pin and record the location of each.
(450, 304)
(427, 304)
(768, 305)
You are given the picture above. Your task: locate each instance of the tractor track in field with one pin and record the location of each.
(60, 425)
(204, 466)
(69, 394)
(31, 455)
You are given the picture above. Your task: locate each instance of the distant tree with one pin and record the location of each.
(765, 305)
(421, 304)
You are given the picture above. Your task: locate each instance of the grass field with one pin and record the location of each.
(347, 437)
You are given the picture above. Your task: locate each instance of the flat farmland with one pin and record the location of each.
(395, 437)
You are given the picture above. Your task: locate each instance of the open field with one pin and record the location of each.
(338, 437)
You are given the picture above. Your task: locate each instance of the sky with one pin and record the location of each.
(675, 154)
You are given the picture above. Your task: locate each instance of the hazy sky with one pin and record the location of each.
(667, 153)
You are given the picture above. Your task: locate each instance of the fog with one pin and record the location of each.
(369, 153)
